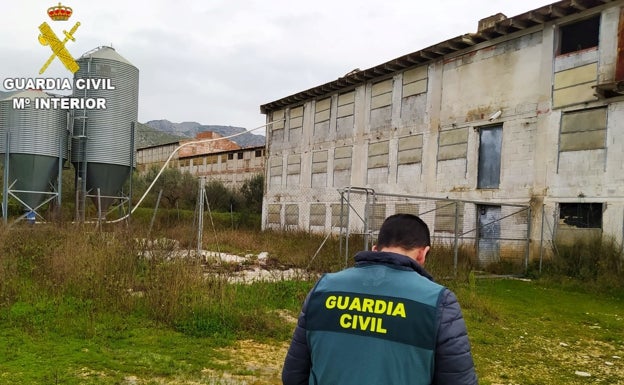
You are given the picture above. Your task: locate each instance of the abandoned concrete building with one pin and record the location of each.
(527, 112)
(216, 158)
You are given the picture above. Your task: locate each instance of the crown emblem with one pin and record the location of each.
(59, 12)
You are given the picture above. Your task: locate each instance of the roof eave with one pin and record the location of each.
(503, 27)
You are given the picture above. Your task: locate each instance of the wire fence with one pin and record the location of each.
(487, 235)
(482, 235)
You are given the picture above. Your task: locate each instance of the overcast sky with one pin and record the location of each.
(217, 61)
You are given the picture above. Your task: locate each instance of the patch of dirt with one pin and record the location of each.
(257, 363)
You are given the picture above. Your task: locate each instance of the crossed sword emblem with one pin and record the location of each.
(48, 37)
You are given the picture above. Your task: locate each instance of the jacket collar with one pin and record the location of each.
(395, 260)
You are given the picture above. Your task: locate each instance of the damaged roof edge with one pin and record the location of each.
(503, 26)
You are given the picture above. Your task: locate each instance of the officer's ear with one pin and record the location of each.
(375, 248)
(421, 254)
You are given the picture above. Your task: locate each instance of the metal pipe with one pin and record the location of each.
(162, 169)
(200, 216)
(155, 211)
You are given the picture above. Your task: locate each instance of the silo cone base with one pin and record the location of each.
(109, 178)
(32, 173)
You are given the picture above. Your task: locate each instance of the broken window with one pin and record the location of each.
(581, 215)
(580, 35)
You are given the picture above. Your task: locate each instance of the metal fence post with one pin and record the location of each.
(456, 240)
(368, 212)
(528, 241)
(542, 239)
(5, 182)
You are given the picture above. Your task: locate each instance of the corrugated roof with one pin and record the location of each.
(499, 28)
(29, 93)
(105, 52)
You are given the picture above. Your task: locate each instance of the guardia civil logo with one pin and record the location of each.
(58, 13)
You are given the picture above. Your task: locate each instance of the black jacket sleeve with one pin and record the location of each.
(453, 359)
(297, 364)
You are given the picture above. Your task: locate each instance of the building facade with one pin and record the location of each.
(208, 155)
(524, 111)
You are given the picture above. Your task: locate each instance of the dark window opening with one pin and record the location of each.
(489, 167)
(581, 215)
(240, 155)
(258, 153)
(230, 156)
(580, 35)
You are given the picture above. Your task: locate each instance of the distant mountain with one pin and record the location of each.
(191, 129)
(146, 136)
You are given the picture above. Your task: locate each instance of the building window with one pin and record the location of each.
(447, 214)
(275, 171)
(580, 35)
(490, 143)
(274, 214)
(258, 153)
(319, 169)
(322, 110)
(340, 215)
(377, 216)
(277, 118)
(342, 166)
(410, 149)
(322, 114)
(230, 156)
(583, 130)
(378, 155)
(292, 215)
(407, 208)
(381, 94)
(317, 214)
(296, 117)
(581, 215)
(453, 144)
(293, 170)
(240, 155)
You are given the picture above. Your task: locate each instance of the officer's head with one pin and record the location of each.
(405, 234)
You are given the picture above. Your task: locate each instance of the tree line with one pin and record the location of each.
(180, 190)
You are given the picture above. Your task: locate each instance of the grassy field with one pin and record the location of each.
(84, 308)
(521, 333)
(530, 333)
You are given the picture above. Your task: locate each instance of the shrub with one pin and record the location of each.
(597, 261)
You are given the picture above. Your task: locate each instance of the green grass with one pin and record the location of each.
(70, 341)
(534, 333)
(521, 333)
(67, 347)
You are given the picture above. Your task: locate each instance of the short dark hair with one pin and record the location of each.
(403, 230)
